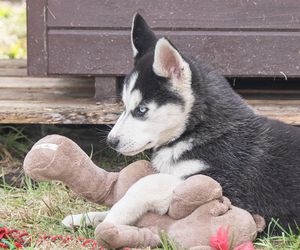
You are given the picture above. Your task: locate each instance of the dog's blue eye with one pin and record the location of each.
(140, 111)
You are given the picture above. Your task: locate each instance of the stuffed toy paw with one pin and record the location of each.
(197, 211)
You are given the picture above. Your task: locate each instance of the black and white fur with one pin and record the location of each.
(195, 123)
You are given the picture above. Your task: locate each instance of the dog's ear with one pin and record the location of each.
(142, 37)
(169, 63)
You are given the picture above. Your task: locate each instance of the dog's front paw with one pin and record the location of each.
(73, 220)
(87, 219)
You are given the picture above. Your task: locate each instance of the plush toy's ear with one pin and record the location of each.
(169, 63)
(142, 37)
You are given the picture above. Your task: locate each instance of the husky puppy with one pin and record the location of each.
(196, 124)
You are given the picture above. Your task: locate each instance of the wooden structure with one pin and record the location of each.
(50, 100)
(72, 42)
(70, 100)
(253, 38)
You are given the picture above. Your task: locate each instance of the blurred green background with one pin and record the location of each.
(12, 29)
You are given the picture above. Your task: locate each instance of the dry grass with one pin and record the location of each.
(40, 209)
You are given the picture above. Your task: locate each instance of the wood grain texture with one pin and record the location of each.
(71, 101)
(48, 89)
(106, 89)
(251, 54)
(53, 101)
(240, 37)
(176, 14)
(86, 111)
(37, 37)
(284, 110)
(51, 83)
(13, 67)
(81, 111)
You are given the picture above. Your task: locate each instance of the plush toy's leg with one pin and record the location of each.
(118, 236)
(56, 157)
(151, 193)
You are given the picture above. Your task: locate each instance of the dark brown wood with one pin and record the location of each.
(106, 89)
(255, 54)
(37, 37)
(252, 38)
(176, 14)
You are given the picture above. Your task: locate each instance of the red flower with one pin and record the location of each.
(245, 246)
(220, 240)
(18, 245)
(3, 232)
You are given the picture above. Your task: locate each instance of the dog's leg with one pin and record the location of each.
(87, 219)
(116, 191)
(151, 193)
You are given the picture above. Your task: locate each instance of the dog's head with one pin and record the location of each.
(157, 94)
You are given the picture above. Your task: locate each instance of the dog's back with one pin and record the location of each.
(256, 159)
(259, 170)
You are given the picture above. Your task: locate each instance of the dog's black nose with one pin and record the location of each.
(113, 142)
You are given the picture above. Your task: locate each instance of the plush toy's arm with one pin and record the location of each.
(192, 193)
(56, 157)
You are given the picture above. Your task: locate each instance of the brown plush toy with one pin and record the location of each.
(197, 209)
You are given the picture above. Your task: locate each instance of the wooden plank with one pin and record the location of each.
(283, 111)
(106, 89)
(255, 54)
(12, 63)
(15, 67)
(37, 37)
(79, 111)
(86, 111)
(28, 88)
(176, 14)
(46, 94)
(49, 82)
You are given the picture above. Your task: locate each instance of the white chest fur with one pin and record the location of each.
(166, 160)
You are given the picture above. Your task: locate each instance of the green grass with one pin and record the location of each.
(168, 244)
(15, 141)
(12, 30)
(287, 240)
